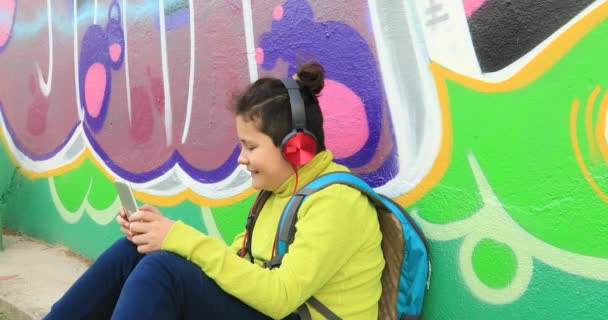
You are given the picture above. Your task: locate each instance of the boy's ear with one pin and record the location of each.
(299, 147)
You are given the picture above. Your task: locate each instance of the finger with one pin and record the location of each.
(123, 214)
(122, 222)
(136, 216)
(139, 239)
(140, 216)
(145, 216)
(144, 248)
(126, 232)
(149, 208)
(137, 227)
(148, 247)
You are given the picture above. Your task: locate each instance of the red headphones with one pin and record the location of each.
(300, 145)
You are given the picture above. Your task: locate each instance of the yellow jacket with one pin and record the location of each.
(335, 257)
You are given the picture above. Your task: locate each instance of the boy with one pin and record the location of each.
(165, 269)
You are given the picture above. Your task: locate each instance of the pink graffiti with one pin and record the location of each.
(146, 100)
(115, 51)
(470, 6)
(157, 90)
(344, 110)
(37, 113)
(278, 12)
(95, 86)
(7, 14)
(142, 117)
(259, 56)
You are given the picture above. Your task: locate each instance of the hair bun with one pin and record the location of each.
(312, 76)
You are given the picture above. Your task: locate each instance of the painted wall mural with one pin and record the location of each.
(486, 119)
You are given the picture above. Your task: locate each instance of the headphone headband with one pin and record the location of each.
(300, 145)
(298, 112)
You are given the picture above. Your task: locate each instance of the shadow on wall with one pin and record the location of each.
(7, 189)
(10, 187)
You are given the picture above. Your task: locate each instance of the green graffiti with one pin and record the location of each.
(230, 220)
(523, 143)
(494, 263)
(86, 182)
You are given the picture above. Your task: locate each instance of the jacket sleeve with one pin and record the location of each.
(327, 236)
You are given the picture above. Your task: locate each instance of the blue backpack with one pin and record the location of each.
(407, 273)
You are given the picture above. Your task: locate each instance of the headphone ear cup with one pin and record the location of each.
(298, 148)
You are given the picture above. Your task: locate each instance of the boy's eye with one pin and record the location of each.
(248, 147)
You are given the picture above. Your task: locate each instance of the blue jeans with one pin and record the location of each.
(124, 284)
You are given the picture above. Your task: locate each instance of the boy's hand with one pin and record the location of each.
(123, 222)
(148, 228)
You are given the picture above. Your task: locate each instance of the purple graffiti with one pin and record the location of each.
(351, 70)
(116, 37)
(174, 20)
(101, 51)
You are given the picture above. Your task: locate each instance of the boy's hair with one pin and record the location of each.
(266, 101)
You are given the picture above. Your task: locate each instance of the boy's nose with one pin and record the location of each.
(242, 159)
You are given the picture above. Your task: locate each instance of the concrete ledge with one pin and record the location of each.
(33, 275)
(10, 312)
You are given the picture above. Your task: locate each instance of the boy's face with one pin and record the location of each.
(262, 158)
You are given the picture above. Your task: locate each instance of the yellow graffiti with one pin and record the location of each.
(600, 128)
(589, 124)
(577, 152)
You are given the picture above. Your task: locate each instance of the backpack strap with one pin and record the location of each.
(287, 225)
(315, 303)
(304, 313)
(257, 206)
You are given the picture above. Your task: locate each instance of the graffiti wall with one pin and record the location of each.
(486, 119)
